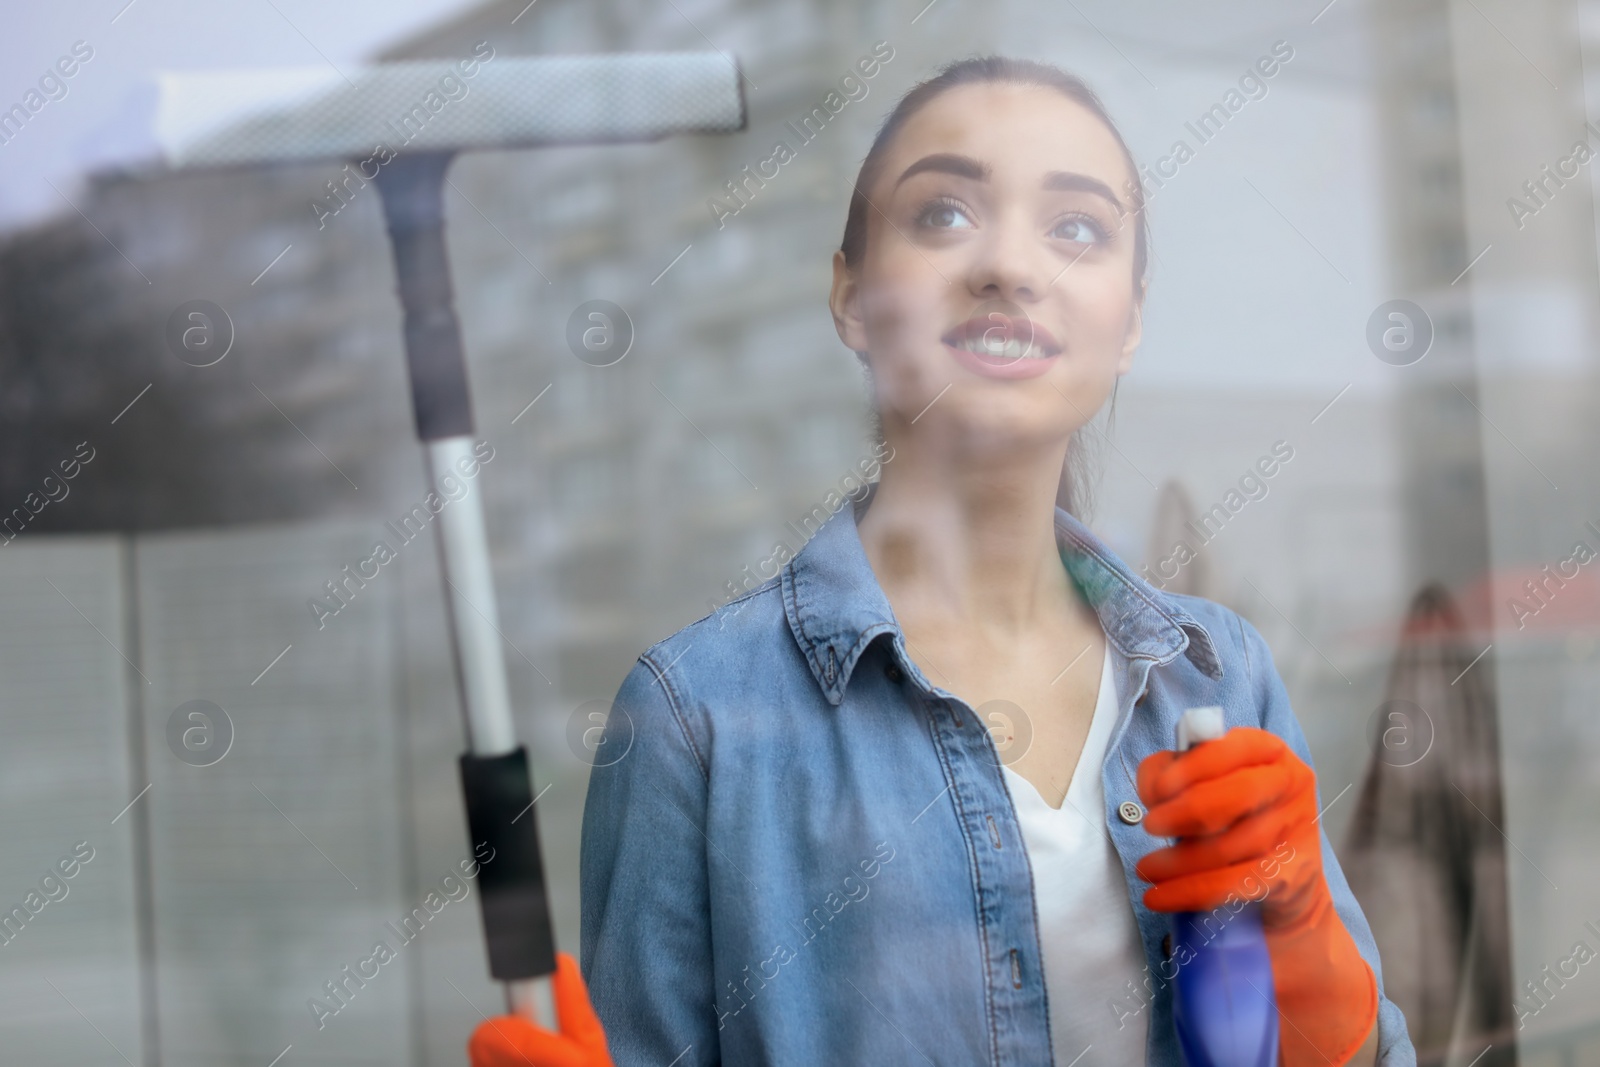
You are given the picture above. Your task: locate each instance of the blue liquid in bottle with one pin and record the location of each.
(1223, 1004)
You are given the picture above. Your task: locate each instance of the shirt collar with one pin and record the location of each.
(836, 607)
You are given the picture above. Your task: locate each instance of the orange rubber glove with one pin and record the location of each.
(1244, 808)
(513, 1041)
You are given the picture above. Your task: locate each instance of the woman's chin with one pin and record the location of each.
(1006, 432)
(1004, 416)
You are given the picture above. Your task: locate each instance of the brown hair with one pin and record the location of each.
(974, 71)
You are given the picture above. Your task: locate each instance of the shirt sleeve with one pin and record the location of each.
(1394, 1042)
(645, 943)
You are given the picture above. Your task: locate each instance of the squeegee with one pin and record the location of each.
(402, 124)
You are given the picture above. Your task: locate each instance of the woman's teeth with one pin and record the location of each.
(1012, 349)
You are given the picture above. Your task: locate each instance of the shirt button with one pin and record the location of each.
(1129, 812)
(1166, 946)
(894, 673)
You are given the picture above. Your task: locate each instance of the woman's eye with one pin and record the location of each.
(1080, 229)
(944, 215)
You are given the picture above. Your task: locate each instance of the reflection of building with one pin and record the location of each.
(1495, 419)
(1440, 433)
(1403, 842)
(1422, 853)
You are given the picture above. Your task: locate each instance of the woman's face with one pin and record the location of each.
(995, 299)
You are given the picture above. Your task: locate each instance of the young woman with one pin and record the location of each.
(911, 801)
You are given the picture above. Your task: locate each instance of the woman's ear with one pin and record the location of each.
(1135, 333)
(845, 304)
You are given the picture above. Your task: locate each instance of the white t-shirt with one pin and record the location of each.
(1089, 937)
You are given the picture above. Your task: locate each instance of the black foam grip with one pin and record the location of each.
(411, 189)
(516, 910)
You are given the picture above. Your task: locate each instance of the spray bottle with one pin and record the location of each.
(1223, 1004)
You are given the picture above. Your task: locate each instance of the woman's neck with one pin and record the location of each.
(969, 544)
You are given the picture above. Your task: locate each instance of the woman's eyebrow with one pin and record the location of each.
(967, 167)
(1072, 181)
(948, 163)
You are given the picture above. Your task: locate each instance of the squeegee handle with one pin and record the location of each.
(412, 188)
(499, 794)
(494, 774)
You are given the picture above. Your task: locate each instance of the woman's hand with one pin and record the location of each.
(513, 1041)
(1244, 808)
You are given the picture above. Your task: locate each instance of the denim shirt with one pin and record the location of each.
(798, 850)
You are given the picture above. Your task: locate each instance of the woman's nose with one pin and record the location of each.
(1008, 261)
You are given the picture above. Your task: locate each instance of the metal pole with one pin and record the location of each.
(495, 780)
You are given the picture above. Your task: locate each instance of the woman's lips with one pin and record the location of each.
(977, 344)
